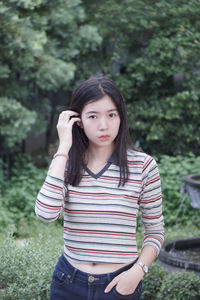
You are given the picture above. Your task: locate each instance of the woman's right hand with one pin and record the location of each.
(64, 128)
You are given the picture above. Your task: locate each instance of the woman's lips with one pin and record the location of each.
(104, 137)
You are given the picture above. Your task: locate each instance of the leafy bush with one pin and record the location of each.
(152, 282)
(159, 285)
(25, 271)
(179, 286)
(18, 199)
(16, 121)
(172, 169)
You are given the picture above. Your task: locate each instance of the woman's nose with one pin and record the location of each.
(103, 124)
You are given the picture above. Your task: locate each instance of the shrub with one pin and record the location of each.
(25, 272)
(179, 286)
(152, 282)
(159, 285)
(18, 198)
(16, 122)
(172, 169)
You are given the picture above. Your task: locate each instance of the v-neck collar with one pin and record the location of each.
(111, 160)
(100, 173)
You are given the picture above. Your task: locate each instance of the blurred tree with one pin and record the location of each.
(39, 44)
(15, 122)
(151, 48)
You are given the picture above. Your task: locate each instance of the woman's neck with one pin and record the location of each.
(100, 154)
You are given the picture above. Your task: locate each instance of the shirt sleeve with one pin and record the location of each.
(50, 199)
(151, 205)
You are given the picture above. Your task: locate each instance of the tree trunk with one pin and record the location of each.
(50, 124)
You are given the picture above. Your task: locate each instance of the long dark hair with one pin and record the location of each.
(89, 91)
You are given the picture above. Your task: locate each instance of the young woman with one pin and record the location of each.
(100, 181)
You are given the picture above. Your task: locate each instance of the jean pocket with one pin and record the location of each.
(60, 278)
(136, 295)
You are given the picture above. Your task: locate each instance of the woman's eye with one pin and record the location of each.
(92, 117)
(112, 115)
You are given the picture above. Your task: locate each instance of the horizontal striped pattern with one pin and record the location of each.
(100, 218)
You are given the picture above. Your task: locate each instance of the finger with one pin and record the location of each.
(67, 114)
(70, 112)
(111, 285)
(74, 120)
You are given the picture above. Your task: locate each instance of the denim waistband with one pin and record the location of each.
(89, 277)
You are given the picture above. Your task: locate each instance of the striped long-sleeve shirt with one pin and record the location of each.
(100, 218)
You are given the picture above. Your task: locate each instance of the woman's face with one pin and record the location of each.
(100, 122)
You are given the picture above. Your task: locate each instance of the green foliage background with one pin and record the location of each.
(41, 44)
(151, 50)
(172, 170)
(25, 272)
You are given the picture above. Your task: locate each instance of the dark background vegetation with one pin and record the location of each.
(151, 49)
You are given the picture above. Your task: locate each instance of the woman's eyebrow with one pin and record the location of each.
(113, 109)
(91, 112)
(96, 112)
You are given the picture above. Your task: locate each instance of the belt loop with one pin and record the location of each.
(73, 275)
(108, 276)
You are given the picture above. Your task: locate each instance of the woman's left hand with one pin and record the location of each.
(127, 281)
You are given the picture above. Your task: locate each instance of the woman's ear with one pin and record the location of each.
(79, 123)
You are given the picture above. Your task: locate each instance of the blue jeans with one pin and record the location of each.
(69, 283)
